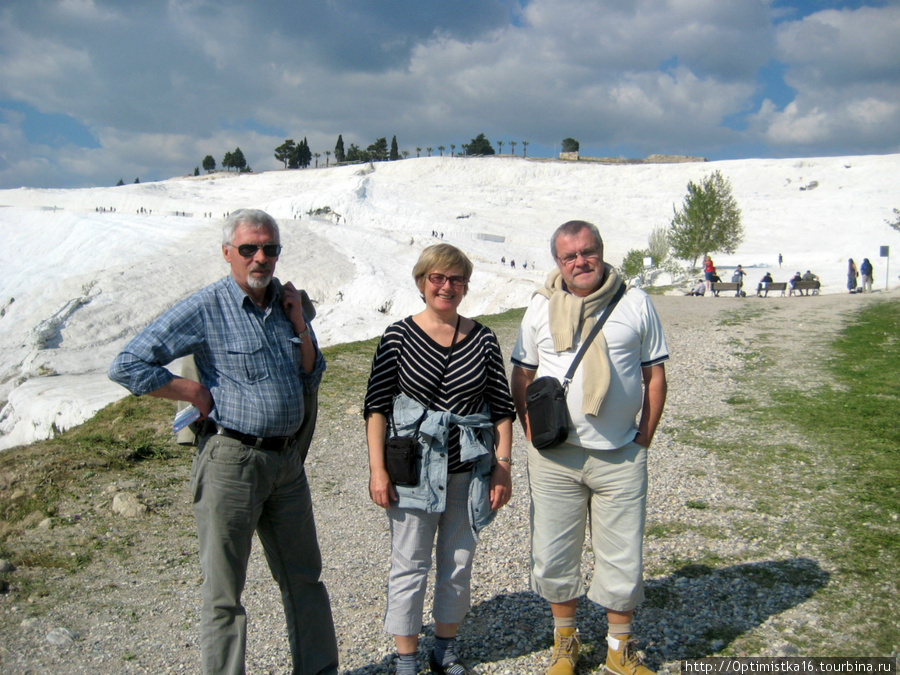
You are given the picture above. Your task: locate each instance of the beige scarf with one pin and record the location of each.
(567, 313)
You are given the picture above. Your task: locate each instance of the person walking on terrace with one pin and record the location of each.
(868, 275)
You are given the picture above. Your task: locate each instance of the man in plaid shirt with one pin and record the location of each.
(256, 356)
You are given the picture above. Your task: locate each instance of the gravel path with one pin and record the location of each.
(137, 610)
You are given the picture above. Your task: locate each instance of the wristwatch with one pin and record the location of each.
(508, 460)
(302, 336)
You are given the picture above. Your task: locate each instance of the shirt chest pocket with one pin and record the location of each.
(244, 360)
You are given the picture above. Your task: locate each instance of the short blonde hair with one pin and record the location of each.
(441, 257)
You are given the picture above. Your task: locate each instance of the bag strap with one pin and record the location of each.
(620, 291)
(440, 377)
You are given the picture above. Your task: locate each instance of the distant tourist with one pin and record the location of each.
(868, 275)
(764, 284)
(737, 277)
(809, 276)
(709, 271)
(852, 275)
(699, 289)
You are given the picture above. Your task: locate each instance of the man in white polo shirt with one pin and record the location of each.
(602, 465)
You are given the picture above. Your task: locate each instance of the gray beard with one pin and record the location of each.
(258, 282)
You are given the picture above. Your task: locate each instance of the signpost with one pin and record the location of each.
(886, 253)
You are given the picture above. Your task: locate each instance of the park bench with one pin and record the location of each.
(811, 287)
(773, 286)
(726, 286)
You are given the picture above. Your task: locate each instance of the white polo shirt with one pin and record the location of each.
(635, 338)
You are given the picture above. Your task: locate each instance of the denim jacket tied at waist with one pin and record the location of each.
(476, 438)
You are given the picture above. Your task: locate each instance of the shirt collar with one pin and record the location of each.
(239, 295)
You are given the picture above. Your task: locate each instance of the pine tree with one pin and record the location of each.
(339, 149)
(283, 151)
(395, 153)
(479, 145)
(305, 154)
(238, 161)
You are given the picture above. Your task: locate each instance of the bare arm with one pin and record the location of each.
(381, 490)
(655, 388)
(519, 382)
(501, 477)
(183, 389)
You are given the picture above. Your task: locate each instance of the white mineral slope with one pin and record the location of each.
(85, 269)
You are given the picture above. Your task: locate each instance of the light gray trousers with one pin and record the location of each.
(413, 533)
(238, 490)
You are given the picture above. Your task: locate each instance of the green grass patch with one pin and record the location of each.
(123, 437)
(860, 422)
(835, 448)
(743, 313)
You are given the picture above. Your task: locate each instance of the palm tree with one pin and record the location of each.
(452, 149)
(405, 154)
(500, 145)
(327, 157)
(512, 144)
(317, 155)
(418, 150)
(524, 148)
(429, 149)
(441, 148)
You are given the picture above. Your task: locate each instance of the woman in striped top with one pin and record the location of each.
(442, 375)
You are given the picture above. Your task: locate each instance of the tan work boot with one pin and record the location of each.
(565, 652)
(622, 657)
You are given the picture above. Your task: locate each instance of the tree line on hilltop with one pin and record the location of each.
(294, 155)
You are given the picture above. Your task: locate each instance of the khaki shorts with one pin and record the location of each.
(569, 482)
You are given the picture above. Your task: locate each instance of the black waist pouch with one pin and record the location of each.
(400, 454)
(548, 414)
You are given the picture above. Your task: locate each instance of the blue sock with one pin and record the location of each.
(407, 664)
(445, 650)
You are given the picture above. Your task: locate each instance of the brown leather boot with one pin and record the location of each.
(622, 657)
(565, 652)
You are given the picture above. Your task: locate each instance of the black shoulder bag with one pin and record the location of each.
(401, 452)
(545, 398)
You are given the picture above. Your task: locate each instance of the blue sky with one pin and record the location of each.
(92, 91)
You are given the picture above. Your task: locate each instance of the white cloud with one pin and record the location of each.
(832, 48)
(640, 77)
(845, 68)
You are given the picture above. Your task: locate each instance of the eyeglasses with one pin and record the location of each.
(587, 254)
(441, 279)
(249, 250)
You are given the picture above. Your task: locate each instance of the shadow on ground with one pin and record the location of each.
(692, 613)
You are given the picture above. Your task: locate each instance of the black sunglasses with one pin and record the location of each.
(249, 250)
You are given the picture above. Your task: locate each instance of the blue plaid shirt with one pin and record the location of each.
(248, 358)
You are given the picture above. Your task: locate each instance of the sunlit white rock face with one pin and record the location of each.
(84, 270)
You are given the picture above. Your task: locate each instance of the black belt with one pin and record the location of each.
(275, 443)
